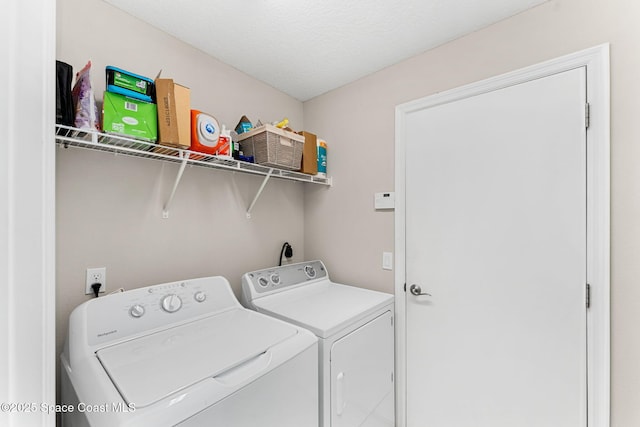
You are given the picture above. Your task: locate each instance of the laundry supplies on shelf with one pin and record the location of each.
(322, 157)
(309, 154)
(122, 115)
(271, 146)
(174, 113)
(129, 84)
(128, 107)
(205, 132)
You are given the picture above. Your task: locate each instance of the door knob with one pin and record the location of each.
(417, 291)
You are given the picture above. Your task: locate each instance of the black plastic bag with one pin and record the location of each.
(65, 114)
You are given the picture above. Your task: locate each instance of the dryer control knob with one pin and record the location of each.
(263, 282)
(136, 311)
(171, 303)
(310, 271)
(275, 279)
(200, 296)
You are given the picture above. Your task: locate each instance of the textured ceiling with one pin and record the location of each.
(308, 47)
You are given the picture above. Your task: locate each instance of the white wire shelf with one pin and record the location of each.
(69, 136)
(94, 140)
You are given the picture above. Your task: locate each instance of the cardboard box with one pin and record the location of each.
(309, 154)
(126, 116)
(174, 113)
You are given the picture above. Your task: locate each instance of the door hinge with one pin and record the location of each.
(587, 298)
(587, 115)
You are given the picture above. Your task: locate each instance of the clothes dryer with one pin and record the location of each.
(356, 338)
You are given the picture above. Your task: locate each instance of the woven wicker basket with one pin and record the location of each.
(271, 146)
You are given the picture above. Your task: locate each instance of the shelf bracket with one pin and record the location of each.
(185, 157)
(255, 199)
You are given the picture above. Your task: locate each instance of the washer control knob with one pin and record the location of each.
(200, 296)
(310, 271)
(275, 279)
(263, 282)
(171, 303)
(136, 311)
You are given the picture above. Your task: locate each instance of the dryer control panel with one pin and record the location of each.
(275, 279)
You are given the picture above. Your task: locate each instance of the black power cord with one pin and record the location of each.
(287, 250)
(96, 288)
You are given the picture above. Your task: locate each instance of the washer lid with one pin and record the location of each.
(147, 369)
(323, 307)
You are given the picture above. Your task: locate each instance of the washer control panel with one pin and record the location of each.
(138, 310)
(277, 278)
(170, 298)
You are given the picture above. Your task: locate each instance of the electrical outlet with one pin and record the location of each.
(96, 275)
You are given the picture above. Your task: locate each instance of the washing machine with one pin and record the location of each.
(356, 338)
(184, 354)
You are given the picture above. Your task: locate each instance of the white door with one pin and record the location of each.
(496, 233)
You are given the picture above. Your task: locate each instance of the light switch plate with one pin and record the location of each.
(387, 260)
(385, 200)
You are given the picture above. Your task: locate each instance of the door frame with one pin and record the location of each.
(27, 211)
(596, 62)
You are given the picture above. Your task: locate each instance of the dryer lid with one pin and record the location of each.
(324, 307)
(147, 369)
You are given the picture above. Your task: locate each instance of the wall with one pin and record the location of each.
(358, 122)
(109, 207)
